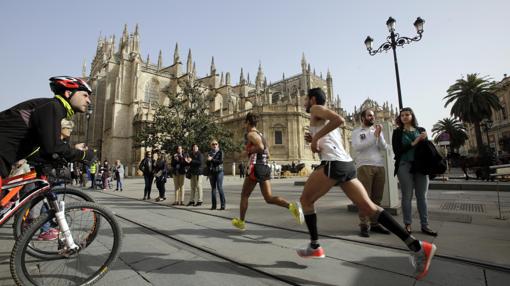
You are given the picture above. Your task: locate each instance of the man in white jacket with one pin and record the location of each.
(367, 143)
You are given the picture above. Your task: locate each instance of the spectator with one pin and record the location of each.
(215, 165)
(119, 175)
(405, 139)
(195, 174)
(147, 168)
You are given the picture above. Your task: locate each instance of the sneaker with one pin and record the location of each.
(48, 235)
(198, 204)
(240, 224)
(309, 252)
(363, 231)
(190, 203)
(421, 259)
(297, 212)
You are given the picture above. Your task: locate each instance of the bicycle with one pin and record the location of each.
(84, 249)
(58, 175)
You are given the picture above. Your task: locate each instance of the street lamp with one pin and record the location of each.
(487, 125)
(90, 109)
(392, 41)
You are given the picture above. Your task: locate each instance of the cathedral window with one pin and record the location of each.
(151, 91)
(278, 137)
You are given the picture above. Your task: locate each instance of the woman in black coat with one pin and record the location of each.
(404, 141)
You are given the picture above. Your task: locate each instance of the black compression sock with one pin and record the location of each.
(392, 225)
(311, 223)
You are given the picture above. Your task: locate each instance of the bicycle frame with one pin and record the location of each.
(13, 186)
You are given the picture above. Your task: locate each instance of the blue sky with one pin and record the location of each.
(41, 39)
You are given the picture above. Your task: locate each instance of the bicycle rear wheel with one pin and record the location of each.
(26, 215)
(99, 243)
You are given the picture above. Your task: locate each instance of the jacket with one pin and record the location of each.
(398, 147)
(31, 124)
(427, 160)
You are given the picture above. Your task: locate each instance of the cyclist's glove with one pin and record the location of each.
(89, 157)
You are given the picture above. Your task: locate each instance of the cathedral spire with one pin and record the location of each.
(241, 78)
(147, 63)
(189, 63)
(213, 67)
(248, 78)
(227, 78)
(124, 40)
(84, 69)
(176, 53)
(136, 41)
(160, 60)
(303, 63)
(260, 77)
(221, 79)
(194, 72)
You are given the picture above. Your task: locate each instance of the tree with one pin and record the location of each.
(473, 99)
(454, 128)
(186, 120)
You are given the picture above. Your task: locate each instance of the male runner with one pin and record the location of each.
(260, 172)
(337, 168)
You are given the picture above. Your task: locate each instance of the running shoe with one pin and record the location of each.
(309, 252)
(51, 234)
(421, 259)
(240, 224)
(297, 212)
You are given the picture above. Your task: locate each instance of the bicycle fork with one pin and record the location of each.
(59, 208)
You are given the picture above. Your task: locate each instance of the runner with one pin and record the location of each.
(337, 168)
(260, 172)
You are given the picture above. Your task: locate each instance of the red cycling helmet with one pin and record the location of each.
(60, 84)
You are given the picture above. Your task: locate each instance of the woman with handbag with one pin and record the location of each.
(215, 165)
(404, 140)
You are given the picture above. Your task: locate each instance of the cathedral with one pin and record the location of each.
(127, 90)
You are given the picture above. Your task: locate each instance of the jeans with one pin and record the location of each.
(216, 180)
(148, 185)
(160, 184)
(119, 184)
(420, 184)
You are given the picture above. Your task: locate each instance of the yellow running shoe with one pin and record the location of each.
(297, 212)
(240, 224)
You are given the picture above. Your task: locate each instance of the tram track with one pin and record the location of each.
(483, 265)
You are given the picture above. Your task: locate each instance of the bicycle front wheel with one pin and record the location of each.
(26, 215)
(99, 246)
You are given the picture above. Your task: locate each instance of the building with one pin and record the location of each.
(128, 88)
(499, 132)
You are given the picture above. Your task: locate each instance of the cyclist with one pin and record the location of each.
(36, 123)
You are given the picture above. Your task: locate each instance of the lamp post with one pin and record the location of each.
(392, 41)
(90, 109)
(487, 125)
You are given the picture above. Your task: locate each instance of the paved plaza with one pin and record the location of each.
(166, 245)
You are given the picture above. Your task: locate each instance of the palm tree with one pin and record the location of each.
(454, 128)
(473, 100)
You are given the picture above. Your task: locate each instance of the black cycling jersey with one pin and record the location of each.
(31, 124)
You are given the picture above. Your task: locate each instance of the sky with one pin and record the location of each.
(40, 39)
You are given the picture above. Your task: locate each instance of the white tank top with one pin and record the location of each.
(330, 145)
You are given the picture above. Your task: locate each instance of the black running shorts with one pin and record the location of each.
(339, 170)
(259, 173)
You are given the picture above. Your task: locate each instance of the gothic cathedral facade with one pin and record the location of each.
(127, 90)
